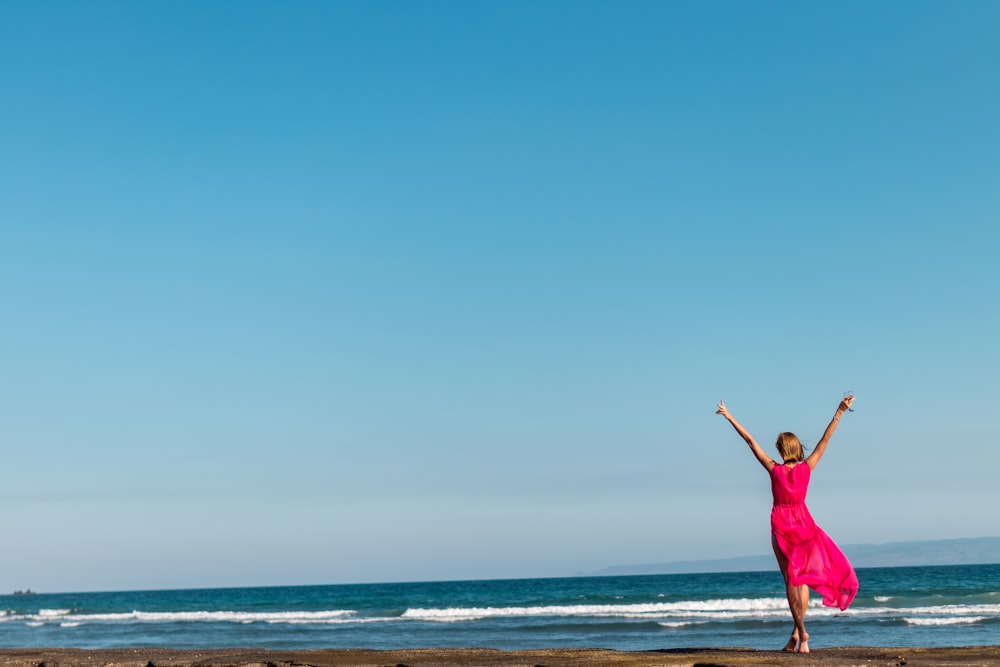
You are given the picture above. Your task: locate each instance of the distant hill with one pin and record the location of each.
(964, 551)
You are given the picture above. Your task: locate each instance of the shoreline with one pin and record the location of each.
(963, 656)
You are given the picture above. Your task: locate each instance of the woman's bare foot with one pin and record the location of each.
(792, 644)
(803, 646)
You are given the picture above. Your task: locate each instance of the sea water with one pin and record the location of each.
(902, 606)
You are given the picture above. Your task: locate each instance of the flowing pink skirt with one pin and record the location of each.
(813, 558)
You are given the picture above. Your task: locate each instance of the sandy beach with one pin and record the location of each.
(707, 657)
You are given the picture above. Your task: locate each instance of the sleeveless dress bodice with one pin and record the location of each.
(789, 484)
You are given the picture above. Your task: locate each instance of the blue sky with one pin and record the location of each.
(302, 293)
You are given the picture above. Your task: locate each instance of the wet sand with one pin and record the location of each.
(707, 657)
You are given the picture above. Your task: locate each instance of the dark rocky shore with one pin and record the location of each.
(708, 657)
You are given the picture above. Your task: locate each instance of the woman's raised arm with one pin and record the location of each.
(817, 454)
(763, 458)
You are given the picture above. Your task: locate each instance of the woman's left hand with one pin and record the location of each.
(846, 404)
(720, 409)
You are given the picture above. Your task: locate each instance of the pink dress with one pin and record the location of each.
(813, 558)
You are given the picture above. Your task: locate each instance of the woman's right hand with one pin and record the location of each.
(846, 403)
(720, 409)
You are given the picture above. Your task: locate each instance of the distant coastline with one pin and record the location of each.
(962, 551)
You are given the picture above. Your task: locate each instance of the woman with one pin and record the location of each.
(807, 556)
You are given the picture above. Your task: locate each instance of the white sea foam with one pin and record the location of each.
(933, 615)
(691, 609)
(953, 620)
(350, 620)
(68, 619)
(229, 616)
(950, 610)
(679, 624)
(882, 598)
(49, 613)
(667, 614)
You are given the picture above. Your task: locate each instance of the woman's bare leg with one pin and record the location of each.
(803, 646)
(794, 603)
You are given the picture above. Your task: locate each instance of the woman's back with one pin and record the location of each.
(789, 484)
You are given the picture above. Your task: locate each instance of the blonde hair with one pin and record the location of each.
(789, 447)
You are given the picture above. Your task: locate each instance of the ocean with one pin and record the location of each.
(900, 606)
